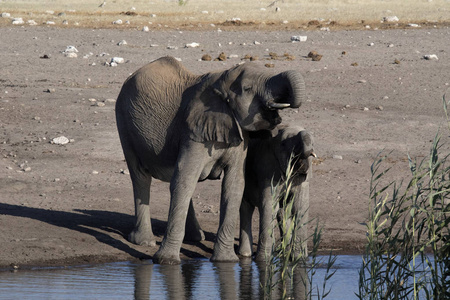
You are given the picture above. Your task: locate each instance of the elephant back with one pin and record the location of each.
(148, 103)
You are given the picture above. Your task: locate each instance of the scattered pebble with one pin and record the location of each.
(431, 57)
(117, 60)
(315, 56)
(391, 19)
(122, 42)
(192, 45)
(145, 29)
(17, 21)
(362, 81)
(299, 38)
(94, 172)
(206, 57)
(62, 140)
(118, 22)
(366, 109)
(337, 157)
(5, 15)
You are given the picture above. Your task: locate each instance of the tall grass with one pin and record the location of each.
(288, 266)
(408, 239)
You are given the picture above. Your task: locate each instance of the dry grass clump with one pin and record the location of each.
(202, 13)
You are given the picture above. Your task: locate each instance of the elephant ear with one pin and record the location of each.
(210, 118)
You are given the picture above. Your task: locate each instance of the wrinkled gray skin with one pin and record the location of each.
(267, 160)
(183, 128)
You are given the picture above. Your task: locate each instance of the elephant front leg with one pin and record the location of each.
(245, 232)
(182, 187)
(142, 233)
(266, 225)
(232, 192)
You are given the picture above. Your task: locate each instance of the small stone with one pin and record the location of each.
(92, 100)
(431, 57)
(355, 64)
(71, 55)
(94, 172)
(390, 19)
(380, 107)
(315, 56)
(222, 57)
(337, 157)
(51, 90)
(371, 44)
(62, 140)
(413, 25)
(366, 109)
(122, 42)
(362, 81)
(17, 21)
(145, 29)
(70, 49)
(192, 45)
(27, 169)
(110, 100)
(100, 104)
(118, 22)
(206, 57)
(299, 38)
(117, 60)
(391, 45)
(396, 61)
(5, 15)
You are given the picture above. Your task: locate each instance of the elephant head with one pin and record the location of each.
(298, 143)
(244, 98)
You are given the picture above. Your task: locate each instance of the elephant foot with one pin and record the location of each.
(224, 257)
(142, 238)
(245, 252)
(166, 259)
(196, 236)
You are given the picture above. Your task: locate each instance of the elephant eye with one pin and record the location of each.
(247, 88)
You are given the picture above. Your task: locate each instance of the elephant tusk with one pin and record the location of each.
(313, 155)
(278, 105)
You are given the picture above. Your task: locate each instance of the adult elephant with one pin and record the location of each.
(182, 128)
(268, 158)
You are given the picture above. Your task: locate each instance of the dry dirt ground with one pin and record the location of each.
(72, 203)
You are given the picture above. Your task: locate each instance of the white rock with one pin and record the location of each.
(413, 25)
(256, 43)
(95, 172)
(50, 23)
(117, 60)
(113, 64)
(205, 12)
(324, 29)
(71, 49)
(371, 44)
(118, 22)
(431, 57)
(153, 15)
(145, 29)
(235, 19)
(277, 9)
(5, 15)
(31, 22)
(17, 21)
(337, 157)
(233, 56)
(391, 19)
(71, 55)
(263, 9)
(299, 38)
(122, 42)
(62, 140)
(192, 45)
(154, 45)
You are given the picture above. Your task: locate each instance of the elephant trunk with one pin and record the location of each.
(288, 89)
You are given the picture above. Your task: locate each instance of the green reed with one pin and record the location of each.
(408, 244)
(288, 266)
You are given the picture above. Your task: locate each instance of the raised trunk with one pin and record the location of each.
(288, 87)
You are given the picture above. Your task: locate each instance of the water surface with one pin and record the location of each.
(194, 279)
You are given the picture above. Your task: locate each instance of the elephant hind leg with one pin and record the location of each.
(193, 232)
(142, 233)
(245, 233)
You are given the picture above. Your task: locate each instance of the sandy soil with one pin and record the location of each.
(71, 204)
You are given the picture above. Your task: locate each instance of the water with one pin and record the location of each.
(196, 279)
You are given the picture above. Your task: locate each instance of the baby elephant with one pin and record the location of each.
(267, 159)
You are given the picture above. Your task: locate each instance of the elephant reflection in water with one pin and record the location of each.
(243, 281)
